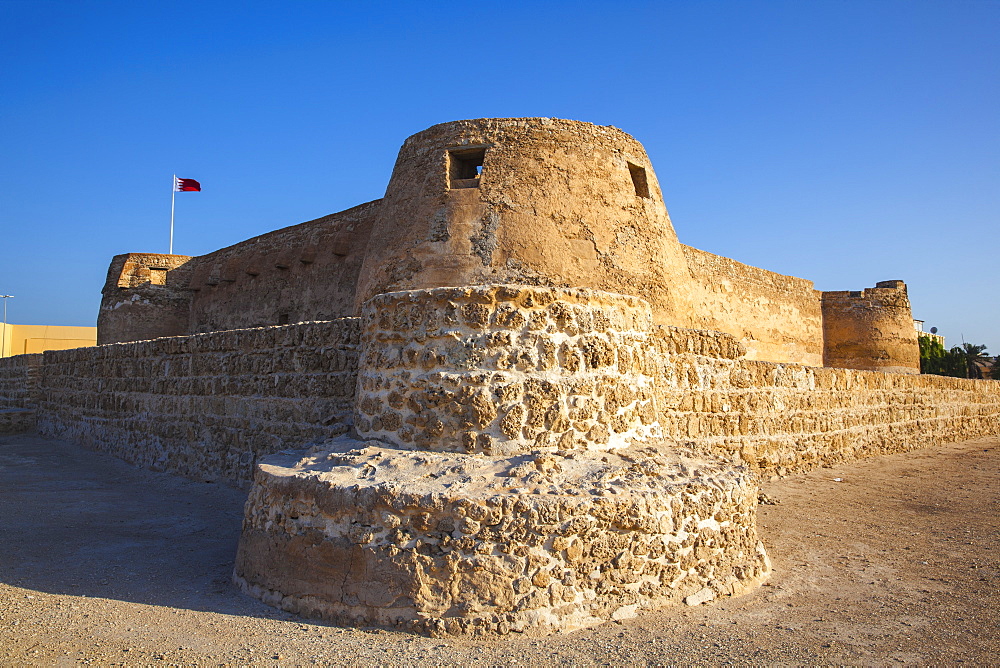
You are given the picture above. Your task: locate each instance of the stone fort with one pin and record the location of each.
(539, 202)
(502, 398)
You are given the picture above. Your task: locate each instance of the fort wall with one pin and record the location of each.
(20, 387)
(529, 201)
(208, 405)
(786, 418)
(775, 317)
(20, 381)
(307, 272)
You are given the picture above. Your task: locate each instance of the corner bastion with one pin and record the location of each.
(507, 474)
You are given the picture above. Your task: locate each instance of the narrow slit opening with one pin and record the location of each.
(638, 175)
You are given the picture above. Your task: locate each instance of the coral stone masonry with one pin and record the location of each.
(446, 543)
(502, 398)
(506, 369)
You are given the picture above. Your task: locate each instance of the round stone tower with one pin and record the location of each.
(534, 201)
(870, 329)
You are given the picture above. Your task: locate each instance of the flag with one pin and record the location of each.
(186, 185)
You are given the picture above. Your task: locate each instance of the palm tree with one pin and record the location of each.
(972, 352)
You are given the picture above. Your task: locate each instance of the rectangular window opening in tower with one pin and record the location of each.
(157, 276)
(639, 180)
(465, 166)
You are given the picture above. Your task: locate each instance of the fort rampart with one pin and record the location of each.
(206, 406)
(530, 201)
(775, 317)
(211, 404)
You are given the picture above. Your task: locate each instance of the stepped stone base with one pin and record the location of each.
(452, 543)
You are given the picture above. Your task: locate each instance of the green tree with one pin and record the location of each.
(932, 356)
(971, 353)
(959, 362)
(953, 363)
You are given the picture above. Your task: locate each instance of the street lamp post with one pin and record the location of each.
(3, 340)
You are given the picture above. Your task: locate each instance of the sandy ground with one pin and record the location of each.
(886, 561)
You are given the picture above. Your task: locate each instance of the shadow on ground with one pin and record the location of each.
(87, 524)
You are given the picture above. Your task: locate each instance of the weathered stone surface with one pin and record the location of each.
(219, 400)
(870, 329)
(505, 369)
(775, 317)
(205, 406)
(20, 381)
(449, 543)
(534, 201)
(783, 418)
(144, 297)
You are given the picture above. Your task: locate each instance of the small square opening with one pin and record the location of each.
(157, 276)
(282, 318)
(638, 175)
(465, 166)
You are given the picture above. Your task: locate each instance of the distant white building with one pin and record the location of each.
(919, 326)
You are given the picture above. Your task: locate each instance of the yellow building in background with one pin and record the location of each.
(21, 339)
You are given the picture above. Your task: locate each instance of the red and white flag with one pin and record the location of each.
(186, 185)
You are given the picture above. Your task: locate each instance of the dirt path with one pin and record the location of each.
(898, 561)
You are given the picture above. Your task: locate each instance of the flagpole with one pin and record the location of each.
(173, 196)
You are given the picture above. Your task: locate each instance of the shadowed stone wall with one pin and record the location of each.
(20, 385)
(145, 296)
(20, 381)
(206, 405)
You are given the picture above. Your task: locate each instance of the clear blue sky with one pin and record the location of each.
(845, 142)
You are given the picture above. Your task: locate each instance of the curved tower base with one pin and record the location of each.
(449, 543)
(514, 477)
